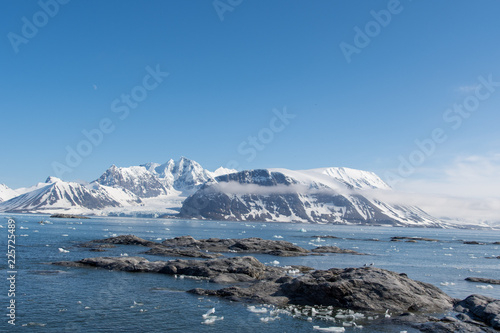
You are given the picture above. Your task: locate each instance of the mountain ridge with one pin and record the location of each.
(176, 188)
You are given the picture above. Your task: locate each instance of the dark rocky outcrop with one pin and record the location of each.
(476, 314)
(446, 324)
(245, 245)
(69, 216)
(481, 308)
(369, 289)
(187, 246)
(364, 289)
(335, 249)
(174, 252)
(236, 269)
(124, 240)
(482, 280)
(399, 238)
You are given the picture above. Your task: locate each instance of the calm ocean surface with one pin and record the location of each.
(58, 299)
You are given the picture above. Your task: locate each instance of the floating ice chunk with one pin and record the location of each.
(64, 235)
(210, 319)
(277, 236)
(253, 309)
(62, 250)
(329, 329)
(303, 230)
(209, 312)
(123, 254)
(485, 287)
(447, 283)
(268, 319)
(275, 262)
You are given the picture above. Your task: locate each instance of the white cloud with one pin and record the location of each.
(468, 189)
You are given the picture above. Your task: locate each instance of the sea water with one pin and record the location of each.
(52, 298)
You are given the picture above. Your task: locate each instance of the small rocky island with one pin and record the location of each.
(368, 289)
(68, 216)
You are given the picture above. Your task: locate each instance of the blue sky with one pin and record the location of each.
(225, 78)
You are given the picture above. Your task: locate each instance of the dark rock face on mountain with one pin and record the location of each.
(264, 195)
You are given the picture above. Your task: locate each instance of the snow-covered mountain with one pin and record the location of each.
(135, 179)
(57, 196)
(330, 195)
(148, 190)
(7, 193)
(184, 175)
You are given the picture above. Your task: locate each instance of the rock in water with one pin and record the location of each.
(481, 308)
(482, 280)
(367, 288)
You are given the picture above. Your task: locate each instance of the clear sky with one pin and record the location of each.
(354, 82)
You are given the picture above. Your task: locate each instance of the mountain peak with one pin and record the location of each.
(52, 179)
(223, 171)
(358, 179)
